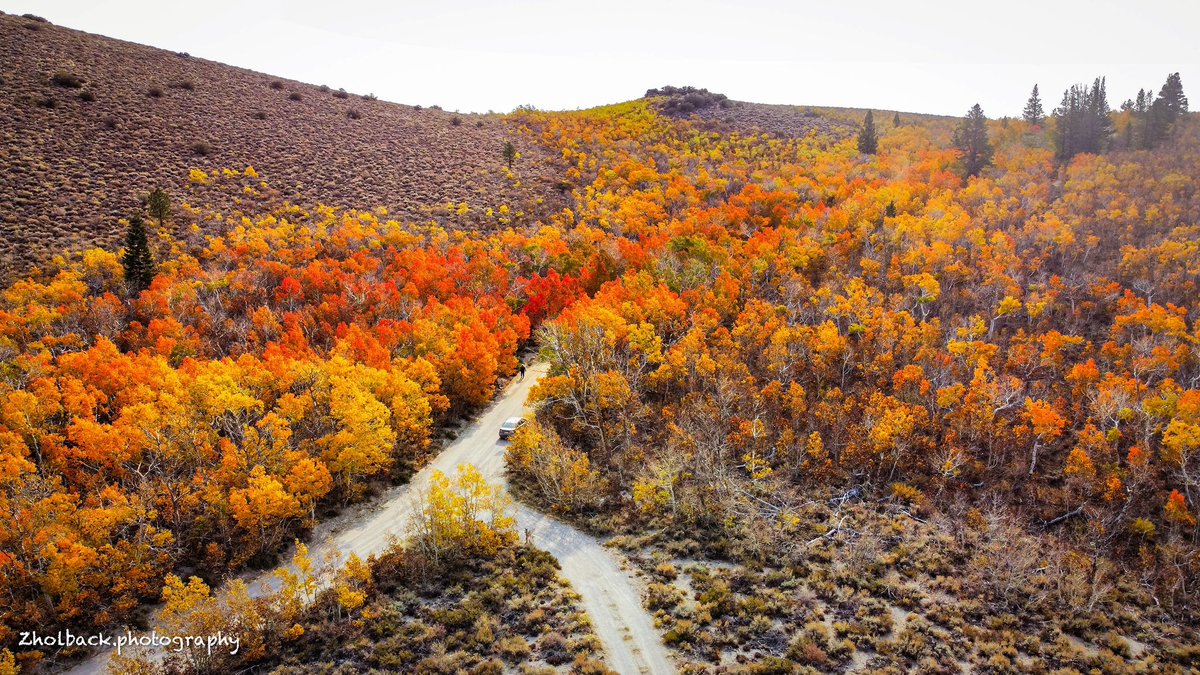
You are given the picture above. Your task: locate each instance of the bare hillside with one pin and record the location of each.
(720, 113)
(89, 123)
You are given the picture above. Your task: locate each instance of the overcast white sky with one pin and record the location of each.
(935, 56)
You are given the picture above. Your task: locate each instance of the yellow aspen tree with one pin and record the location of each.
(262, 506)
(362, 445)
(299, 584)
(464, 514)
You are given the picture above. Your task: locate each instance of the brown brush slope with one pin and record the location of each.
(720, 113)
(779, 120)
(70, 167)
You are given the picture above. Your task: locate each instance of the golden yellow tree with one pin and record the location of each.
(563, 476)
(463, 515)
(190, 609)
(8, 663)
(262, 507)
(350, 585)
(362, 445)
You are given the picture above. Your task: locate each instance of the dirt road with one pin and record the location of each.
(611, 596)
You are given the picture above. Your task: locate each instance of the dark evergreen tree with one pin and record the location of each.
(1172, 96)
(510, 154)
(1033, 113)
(896, 120)
(1127, 135)
(1068, 118)
(138, 261)
(1135, 130)
(868, 139)
(1082, 120)
(1170, 105)
(158, 205)
(1143, 102)
(971, 139)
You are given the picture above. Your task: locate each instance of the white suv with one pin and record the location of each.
(511, 425)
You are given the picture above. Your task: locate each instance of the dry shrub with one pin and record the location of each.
(666, 570)
(1024, 572)
(513, 648)
(66, 80)
(554, 648)
(662, 596)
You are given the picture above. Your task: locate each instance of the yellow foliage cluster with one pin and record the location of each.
(462, 515)
(563, 477)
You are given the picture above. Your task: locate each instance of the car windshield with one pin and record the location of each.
(511, 423)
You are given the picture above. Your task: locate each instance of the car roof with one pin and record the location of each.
(513, 421)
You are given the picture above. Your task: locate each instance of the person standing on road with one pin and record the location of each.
(521, 369)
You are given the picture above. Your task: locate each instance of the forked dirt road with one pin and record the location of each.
(610, 596)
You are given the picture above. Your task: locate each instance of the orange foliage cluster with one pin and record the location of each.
(264, 375)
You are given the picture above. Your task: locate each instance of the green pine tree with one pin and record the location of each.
(510, 154)
(1082, 122)
(971, 139)
(896, 120)
(1170, 105)
(1033, 113)
(868, 139)
(138, 261)
(158, 205)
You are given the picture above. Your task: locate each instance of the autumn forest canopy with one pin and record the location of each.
(949, 363)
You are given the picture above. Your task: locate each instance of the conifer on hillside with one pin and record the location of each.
(138, 262)
(868, 138)
(1034, 113)
(971, 138)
